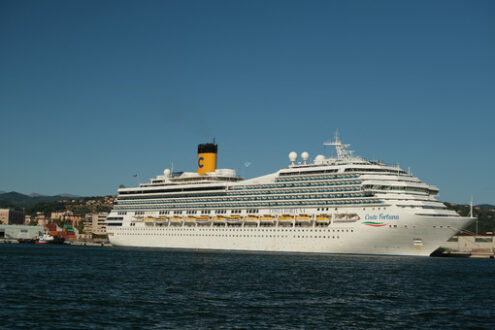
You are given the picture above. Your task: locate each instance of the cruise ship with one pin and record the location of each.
(343, 204)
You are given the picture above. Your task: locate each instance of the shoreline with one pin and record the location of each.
(74, 243)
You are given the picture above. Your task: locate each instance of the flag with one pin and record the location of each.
(134, 175)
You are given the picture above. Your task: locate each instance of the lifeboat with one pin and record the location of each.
(219, 218)
(233, 219)
(346, 217)
(175, 220)
(190, 218)
(203, 218)
(267, 218)
(322, 218)
(149, 219)
(162, 218)
(285, 220)
(303, 218)
(251, 221)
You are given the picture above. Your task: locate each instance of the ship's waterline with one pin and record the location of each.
(333, 205)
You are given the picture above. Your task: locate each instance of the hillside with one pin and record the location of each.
(484, 212)
(26, 200)
(486, 206)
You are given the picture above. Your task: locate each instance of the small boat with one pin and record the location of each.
(46, 238)
(203, 218)
(234, 219)
(267, 219)
(175, 221)
(346, 217)
(322, 218)
(303, 217)
(285, 220)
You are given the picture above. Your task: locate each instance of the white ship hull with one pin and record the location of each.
(411, 235)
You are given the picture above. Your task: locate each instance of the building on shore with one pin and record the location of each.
(95, 224)
(40, 219)
(13, 232)
(471, 244)
(65, 216)
(11, 217)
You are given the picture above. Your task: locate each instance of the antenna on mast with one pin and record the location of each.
(471, 207)
(342, 152)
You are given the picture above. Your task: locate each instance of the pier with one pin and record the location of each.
(471, 246)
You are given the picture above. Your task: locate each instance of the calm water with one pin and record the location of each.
(85, 287)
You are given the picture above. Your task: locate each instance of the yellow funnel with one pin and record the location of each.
(207, 158)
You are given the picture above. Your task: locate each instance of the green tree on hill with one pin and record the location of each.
(486, 217)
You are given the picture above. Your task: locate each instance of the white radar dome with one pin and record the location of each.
(304, 156)
(292, 156)
(319, 159)
(166, 172)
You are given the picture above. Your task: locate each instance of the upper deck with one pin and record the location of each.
(345, 180)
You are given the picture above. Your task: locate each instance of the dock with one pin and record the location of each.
(468, 246)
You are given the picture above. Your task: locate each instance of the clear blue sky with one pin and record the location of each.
(92, 92)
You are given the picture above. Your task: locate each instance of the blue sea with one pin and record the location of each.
(99, 287)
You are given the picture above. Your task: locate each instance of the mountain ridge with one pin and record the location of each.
(485, 206)
(34, 198)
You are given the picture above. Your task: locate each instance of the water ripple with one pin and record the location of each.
(84, 287)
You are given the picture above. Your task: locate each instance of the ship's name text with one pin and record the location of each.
(381, 216)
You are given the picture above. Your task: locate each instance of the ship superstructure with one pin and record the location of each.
(344, 204)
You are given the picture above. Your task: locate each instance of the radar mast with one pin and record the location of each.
(342, 152)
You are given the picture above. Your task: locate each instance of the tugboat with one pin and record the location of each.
(46, 238)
